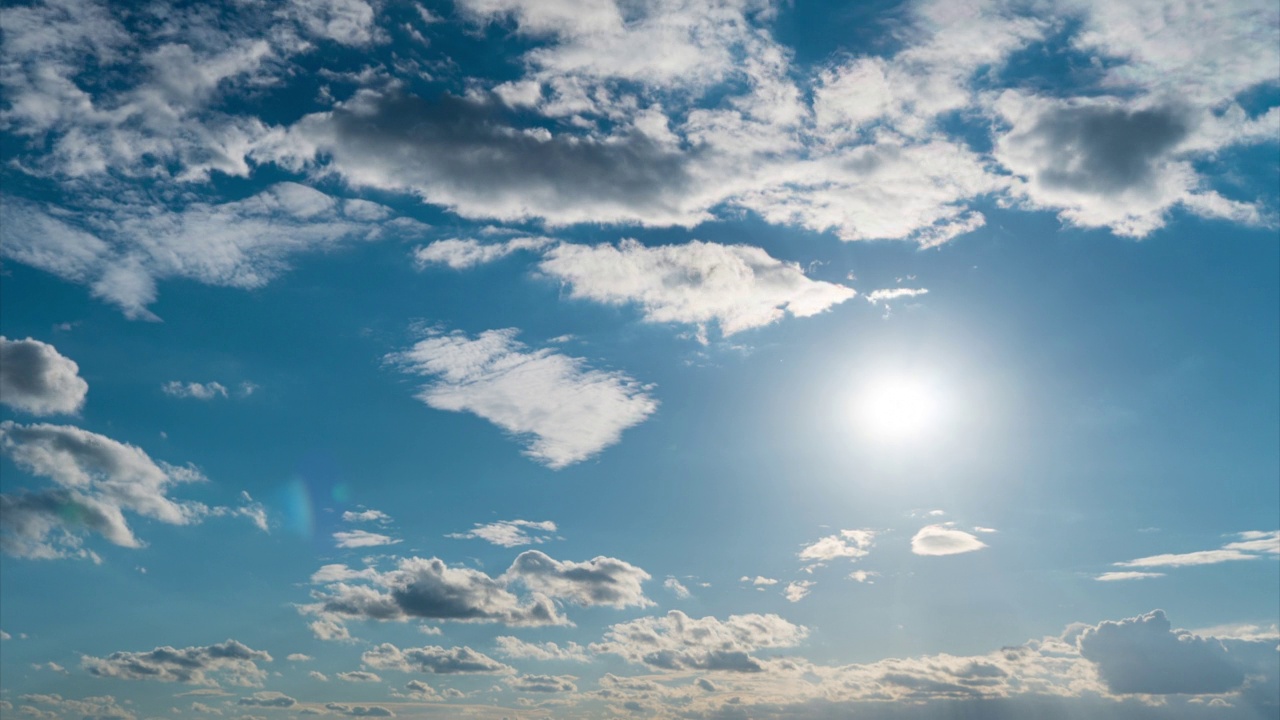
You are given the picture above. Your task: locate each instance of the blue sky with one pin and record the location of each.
(654, 359)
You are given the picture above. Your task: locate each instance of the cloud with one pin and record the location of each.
(543, 683)
(433, 659)
(943, 539)
(358, 676)
(463, 253)
(600, 581)
(887, 294)
(1145, 655)
(736, 286)
(299, 657)
(1248, 547)
(563, 410)
(510, 533)
(676, 587)
(1118, 576)
(676, 641)
(516, 648)
(268, 699)
(362, 538)
(359, 710)
(797, 590)
(852, 544)
(365, 516)
(863, 576)
(232, 661)
(758, 580)
(1257, 541)
(99, 480)
(35, 378)
(199, 391)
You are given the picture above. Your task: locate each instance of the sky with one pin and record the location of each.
(640, 359)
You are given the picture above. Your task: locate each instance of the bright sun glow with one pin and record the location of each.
(897, 408)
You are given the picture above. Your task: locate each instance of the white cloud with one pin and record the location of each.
(599, 581)
(863, 576)
(944, 539)
(1257, 541)
(35, 378)
(797, 590)
(365, 516)
(463, 253)
(886, 294)
(199, 391)
(1145, 655)
(230, 660)
(267, 699)
(299, 657)
(433, 659)
(852, 544)
(736, 286)
(358, 676)
(1248, 547)
(510, 533)
(564, 410)
(347, 22)
(516, 648)
(758, 580)
(676, 587)
(676, 641)
(543, 683)
(1119, 576)
(362, 538)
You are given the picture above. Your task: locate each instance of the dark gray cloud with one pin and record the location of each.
(232, 660)
(1103, 149)
(1145, 655)
(36, 378)
(461, 153)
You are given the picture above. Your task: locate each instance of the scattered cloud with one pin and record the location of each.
(199, 391)
(797, 590)
(510, 533)
(35, 378)
(758, 580)
(463, 253)
(543, 683)
(563, 410)
(362, 538)
(599, 581)
(863, 576)
(1250, 546)
(1128, 575)
(944, 539)
(676, 588)
(1145, 655)
(887, 294)
(365, 516)
(676, 641)
(518, 649)
(359, 710)
(852, 544)
(358, 676)
(231, 661)
(433, 659)
(268, 699)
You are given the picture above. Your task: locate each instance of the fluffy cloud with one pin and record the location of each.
(358, 676)
(232, 661)
(599, 581)
(463, 253)
(852, 544)
(36, 379)
(199, 391)
(798, 590)
(887, 294)
(944, 539)
(1145, 655)
(736, 286)
(99, 479)
(362, 538)
(433, 659)
(268, 699)
(566, 411)
(516, 648)
(543, 683)
(510, 533)
(365, 516)
(676, 641)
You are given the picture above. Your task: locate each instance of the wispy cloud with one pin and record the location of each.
(510, 533)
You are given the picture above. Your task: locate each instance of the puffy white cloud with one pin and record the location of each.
(798, 590)
(234, 662)
(676, 587)
(199, 391)
(362, 538)
(98, 480)
(852, 544)
(676, 641)
(463, 253)
(863, 576)
(599, 581)
(543, 683)
(510, 533)
(347, 22)
(37, 379)
(433, 659)
(1145, 655)
(758, 580)
(887, 294)
(736, 286)
(516, 648)
(365, 516)
(566, 411)
(944, 539)
(359, 710)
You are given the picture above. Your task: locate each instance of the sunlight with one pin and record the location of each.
(898, 408)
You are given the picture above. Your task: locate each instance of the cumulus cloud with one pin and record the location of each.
(543, 683)
(199, 391)
(510, 533)
(1145, 655)
(268, 699)
(358, 676)
(736, 286)
(886, 294)
(463, 253)
(852, 544)
(98, 479)
(676, 587)
(362, 538)
(758, 580)
(797, 590)
(35, 378)
(599, 581)
(944, 539)
(563, 410)
(359, 710)
(676, 641)
(232, 661)
(433, 659)
(518, 649)
(365, 516)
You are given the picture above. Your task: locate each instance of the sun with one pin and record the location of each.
(897, 408)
